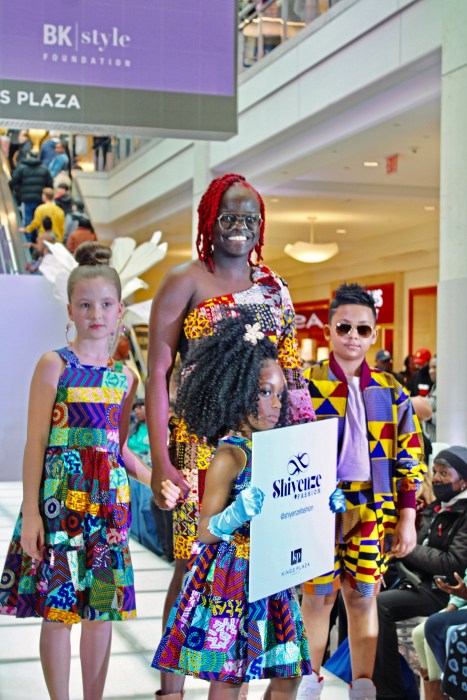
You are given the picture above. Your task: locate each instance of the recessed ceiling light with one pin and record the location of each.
(370, 163)
(341, 230)
(274, 200)
(429, 208)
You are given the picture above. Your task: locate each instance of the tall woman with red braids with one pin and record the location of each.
(191, 300)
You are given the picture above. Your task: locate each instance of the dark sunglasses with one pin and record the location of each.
(362, 329)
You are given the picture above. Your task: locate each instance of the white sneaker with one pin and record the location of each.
(362, 689)
(310, 688)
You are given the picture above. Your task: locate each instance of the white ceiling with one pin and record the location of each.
(380, 212)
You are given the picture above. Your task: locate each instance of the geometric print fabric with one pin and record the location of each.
(84, 498)
(269, 303)
(214, 633)
(364, 532)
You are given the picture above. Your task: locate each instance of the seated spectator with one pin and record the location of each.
(84, 232)
(138, 440)
(441, 550)
(48, 209)
(454, 681)
(152, 525)
(430, 642)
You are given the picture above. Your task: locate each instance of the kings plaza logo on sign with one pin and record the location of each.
(297, 484)
(71, 44)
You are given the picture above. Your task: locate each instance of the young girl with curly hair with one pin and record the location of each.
(233, 387)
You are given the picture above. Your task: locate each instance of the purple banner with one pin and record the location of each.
(180, 46)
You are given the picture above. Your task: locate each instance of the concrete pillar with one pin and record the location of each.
(452, 289)
(202, 176)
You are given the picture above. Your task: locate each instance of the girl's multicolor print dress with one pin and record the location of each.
(214, 633)
(84, 502)
(268, 300)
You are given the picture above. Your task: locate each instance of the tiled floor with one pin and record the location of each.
(134, 642)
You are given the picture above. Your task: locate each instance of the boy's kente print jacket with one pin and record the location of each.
(394, 436)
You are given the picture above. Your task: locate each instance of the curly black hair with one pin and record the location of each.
(351, 293)
(219, 387)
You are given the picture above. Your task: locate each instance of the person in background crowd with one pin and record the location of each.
(40, 249)
(383, 361)
(441, 550)
(29, 180)
(408, 371)
(25, 147)
(71, 219)
(61, 161)
(84, 232)
(48, 209)
(63, 198)
(47, 152)
(101, 145)
(429, 426)
(420, 383)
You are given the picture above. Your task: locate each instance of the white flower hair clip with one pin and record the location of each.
(253, 333)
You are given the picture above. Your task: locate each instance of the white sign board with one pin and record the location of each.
(292, 539)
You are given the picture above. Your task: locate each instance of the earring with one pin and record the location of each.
(69, 326)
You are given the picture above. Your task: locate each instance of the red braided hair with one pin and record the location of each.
(207, 213)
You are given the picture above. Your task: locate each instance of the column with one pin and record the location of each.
(452, 289)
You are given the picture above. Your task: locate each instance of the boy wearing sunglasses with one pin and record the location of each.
(379, 469)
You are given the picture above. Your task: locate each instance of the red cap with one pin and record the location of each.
(422, 356)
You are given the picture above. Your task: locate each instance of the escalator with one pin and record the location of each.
(13, 256)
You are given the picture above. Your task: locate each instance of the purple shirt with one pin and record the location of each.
(354, 458)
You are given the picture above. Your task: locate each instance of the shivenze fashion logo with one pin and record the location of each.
(300, 481)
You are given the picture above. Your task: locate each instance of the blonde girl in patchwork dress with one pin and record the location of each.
(68, 560)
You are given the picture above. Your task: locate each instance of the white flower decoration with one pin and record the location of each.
(129, 261)
(253, 333)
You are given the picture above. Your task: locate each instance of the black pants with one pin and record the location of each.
(394, 606)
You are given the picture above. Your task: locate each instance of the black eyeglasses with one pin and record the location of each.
(229, 221)
(362, 329)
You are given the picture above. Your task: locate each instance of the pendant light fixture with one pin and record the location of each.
(311, 252)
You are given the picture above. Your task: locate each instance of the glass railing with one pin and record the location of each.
(265, 25)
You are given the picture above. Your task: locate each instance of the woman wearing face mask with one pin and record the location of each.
(441, 551)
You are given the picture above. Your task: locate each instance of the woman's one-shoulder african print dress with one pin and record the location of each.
(84, 502)
(213, 632)
(268, 300)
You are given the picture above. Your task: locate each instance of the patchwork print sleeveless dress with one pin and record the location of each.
(214, 633)
(269, 303)
(84, 502)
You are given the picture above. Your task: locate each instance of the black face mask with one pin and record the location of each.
(444, 492)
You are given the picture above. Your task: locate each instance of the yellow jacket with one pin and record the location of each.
(56, 214)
